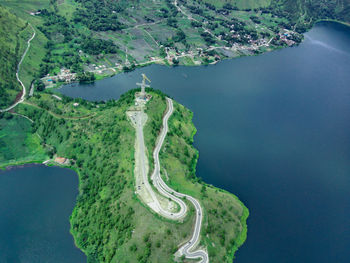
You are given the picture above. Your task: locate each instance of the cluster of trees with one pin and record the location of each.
(99, 15)
(39, 85)
(59, 31)
(173, 11)
(55, 25)
(315, 9)
(97, 46)
(100, 223)
(86, 77)
(5, 98)
(195, 10)
(255, 19)
(209, 39)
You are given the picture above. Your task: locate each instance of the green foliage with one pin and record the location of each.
(109, 223)
(99, 15)
(86, 77)
(98, 46)
(17, 142)
(39, 85)
(304, 10)
(12, 45)
(241, 4)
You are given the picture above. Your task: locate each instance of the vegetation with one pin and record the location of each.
(302, 10)
(109, 223)
(86, 77)
(13, 35)
(100, 16)
(108, 37)
(18, 143)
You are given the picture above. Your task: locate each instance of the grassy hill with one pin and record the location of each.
(12, 43)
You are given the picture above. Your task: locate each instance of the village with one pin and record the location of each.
(198, 56)
(64, 76)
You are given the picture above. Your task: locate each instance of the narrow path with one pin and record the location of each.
(17, 74)
(60, 116)
(23, 116)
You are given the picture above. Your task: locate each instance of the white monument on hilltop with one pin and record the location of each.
(143, 85)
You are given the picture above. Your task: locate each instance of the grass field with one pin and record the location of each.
(17, 142)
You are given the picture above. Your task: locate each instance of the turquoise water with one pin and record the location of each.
(275, 130)
(35, 205)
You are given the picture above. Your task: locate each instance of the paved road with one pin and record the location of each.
(17, 74)
(150, 196)
(188, 248)
(154, 203)
(156, 178)
(144, 188)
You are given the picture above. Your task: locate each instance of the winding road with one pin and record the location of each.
(17, 74)
(151, 199)
(188, 248)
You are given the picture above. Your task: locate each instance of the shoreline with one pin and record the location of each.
(23, 165)
(163, 62)
(332, 21)
(19, 164)
(245, 212)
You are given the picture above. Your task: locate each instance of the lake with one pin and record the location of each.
(35, 204)
(274, 130)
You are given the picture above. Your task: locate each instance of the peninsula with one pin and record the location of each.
(113, 220)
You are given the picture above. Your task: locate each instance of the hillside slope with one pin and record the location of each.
(12, 41)
(318, 9)
(241, 4)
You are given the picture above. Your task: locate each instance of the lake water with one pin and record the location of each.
(274, 130)
(35, 205)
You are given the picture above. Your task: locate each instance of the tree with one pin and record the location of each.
(39, 85)
(86, 77)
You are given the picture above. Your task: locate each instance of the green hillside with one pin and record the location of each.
(240, 4)
(12, 42)
(317, 9)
